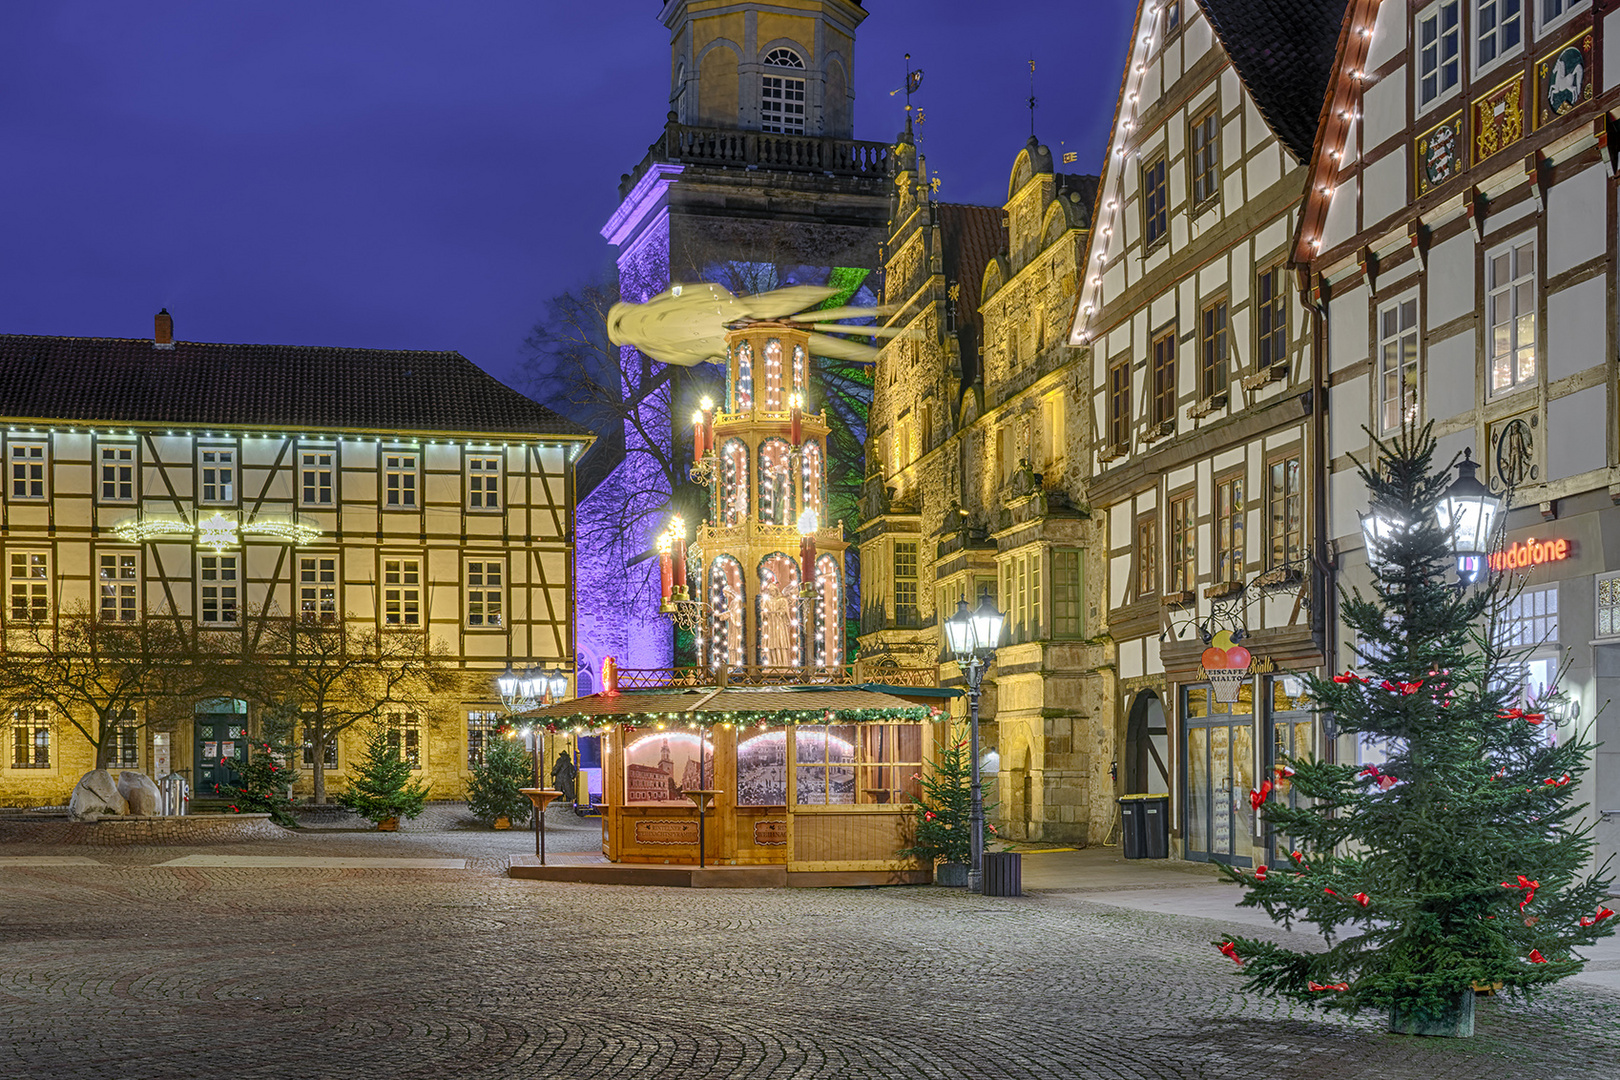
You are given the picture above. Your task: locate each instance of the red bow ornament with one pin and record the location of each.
(1405, 689)
(1529, 888)
(1536, 957)
(1328, 986)
(1258, 795)
(1350, 677)
(1330, 892)
(1596, 917)
(1560, 782)
(1260, 873)
(1283, 770)
(1298, 858)
(1363, 899)
(1230, 950)
(1520, 714)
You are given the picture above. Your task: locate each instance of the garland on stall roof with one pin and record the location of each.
(583, 724)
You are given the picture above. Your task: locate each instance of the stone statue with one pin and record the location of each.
(563, 775)
(776, 624)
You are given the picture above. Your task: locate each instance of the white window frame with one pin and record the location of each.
(1494, 35)
(486, 593)
(484, 474)
(212, 462)
(1398, 339)
(402, 592)
(28, 471)
(316, 476)
(318, 588)
(28, 577)
(402, 479)
(118, 585)
(112, 459)
(1420, 71)
(219, 604)
(1544, 22)
(786, 111)
(1610, 630)
(1521, 292)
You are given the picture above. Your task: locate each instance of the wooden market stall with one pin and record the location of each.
(812, 784)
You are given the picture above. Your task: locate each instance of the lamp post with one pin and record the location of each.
(1467, 512)
(973, 636)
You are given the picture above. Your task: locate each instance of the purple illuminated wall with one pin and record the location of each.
(617, 599)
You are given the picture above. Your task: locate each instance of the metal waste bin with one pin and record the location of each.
(1003, 873)
(1146, 826)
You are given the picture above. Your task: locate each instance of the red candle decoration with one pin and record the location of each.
(708, 424)
(697, 436)
(807, 547)
(677, 536)
(665, 569)
(793, 420)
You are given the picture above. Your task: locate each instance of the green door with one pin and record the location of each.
(221, 744)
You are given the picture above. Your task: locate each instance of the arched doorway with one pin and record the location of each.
(1147, 747)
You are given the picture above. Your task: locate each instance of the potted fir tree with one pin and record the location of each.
(382, 789)
(1458, 861)
(493, 794)
(944, 814)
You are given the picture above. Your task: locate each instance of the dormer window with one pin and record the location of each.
(781, 98)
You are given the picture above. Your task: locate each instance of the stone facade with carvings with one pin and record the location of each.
(972, 487)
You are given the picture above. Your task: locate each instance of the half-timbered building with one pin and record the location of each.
(1459, 228)
(1204, 417)
(400, 492)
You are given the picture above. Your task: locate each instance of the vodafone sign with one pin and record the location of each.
(1528, 553)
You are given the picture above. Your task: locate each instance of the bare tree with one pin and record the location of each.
(334, 675)
(103, 676)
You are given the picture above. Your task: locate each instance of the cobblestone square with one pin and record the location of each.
(114, 966)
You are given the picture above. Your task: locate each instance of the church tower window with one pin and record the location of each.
(781, 100)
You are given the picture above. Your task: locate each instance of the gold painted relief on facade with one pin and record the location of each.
(1435, 160)
(1498, 118)
(1564, 79)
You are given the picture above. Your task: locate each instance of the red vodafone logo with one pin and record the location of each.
(1521, 556)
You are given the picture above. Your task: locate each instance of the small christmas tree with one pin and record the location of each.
(1457, 861)
(383, 787)
(493, 792)
(264, 782)
(944, 820)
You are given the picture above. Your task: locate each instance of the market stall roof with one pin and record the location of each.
(731, 705)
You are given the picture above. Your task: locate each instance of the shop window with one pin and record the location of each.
(843, 764)
(1608, 605)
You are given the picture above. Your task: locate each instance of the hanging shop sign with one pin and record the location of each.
(1226, 667)
(1522, 555)
(1564, 79)
(1498, 118)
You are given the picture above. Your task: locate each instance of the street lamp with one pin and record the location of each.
(1467, 513)
(973, 636)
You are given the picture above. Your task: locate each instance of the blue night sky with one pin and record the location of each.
(423, 175)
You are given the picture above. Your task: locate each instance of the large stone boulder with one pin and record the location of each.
(96, 795)
(141, 793)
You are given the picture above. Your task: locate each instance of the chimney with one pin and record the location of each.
(163, 330)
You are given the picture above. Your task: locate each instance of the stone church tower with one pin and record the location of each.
(754, 182)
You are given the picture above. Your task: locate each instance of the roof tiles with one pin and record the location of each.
(129, 380)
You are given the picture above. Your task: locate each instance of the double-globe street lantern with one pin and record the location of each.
(973, 636)
(1467, 513)
(520, 693)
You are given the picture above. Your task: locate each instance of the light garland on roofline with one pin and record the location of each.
(585, 724)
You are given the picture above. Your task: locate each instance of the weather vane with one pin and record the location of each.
(1032, 97)
(913, 82)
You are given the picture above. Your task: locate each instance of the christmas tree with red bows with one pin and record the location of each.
(1461, 860)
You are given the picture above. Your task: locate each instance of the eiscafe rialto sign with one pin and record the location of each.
(1525, 554)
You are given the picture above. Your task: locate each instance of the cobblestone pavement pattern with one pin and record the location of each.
(126, 969)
